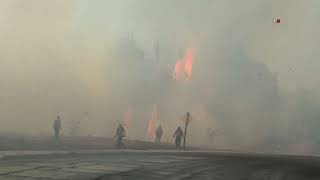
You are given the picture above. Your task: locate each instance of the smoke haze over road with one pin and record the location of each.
(93, 61)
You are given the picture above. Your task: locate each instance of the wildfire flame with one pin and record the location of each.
(151, 124)
(183, 67)
(128, 117)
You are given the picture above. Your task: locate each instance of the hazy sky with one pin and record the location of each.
(66, 57)
(281, 47)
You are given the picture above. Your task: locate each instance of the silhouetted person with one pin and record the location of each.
(178, 135)
(159, 133)
(57, 127)
(120, 134)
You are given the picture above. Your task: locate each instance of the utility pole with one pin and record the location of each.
(185, 130)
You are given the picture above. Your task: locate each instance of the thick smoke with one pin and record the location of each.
(253, 81)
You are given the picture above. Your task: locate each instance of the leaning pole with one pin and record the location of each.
(185, 130)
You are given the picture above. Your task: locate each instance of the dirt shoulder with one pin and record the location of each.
(72, 143)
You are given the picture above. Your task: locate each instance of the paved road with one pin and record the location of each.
(157, 165)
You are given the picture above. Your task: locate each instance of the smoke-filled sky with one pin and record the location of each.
(93, 60)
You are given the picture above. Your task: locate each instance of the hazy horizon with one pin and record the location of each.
(105, 62)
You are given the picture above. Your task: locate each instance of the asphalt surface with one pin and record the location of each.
(168, 165)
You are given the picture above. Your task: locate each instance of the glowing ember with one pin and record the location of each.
(128, 117)
(151, 124)
(183, 67)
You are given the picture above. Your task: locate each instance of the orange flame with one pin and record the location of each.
(128, 117)
(183, 67)
(151, 124)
